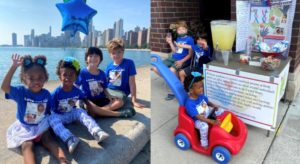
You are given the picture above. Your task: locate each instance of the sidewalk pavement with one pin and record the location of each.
(165, 119)
(128, 136)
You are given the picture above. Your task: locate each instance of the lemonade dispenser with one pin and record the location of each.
(223, 35)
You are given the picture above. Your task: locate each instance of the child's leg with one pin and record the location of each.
(203, 127)
(86, 120)
(114, 105)
(98, 111)
(182, 75)
(56, 121)
(156, 71)
(52, 146)
(27, 150)
(174, 71)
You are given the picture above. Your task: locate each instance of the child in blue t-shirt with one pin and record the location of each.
(197, 106)
(182, 56)
(121, 73)
(202, 56)
(33, 102)
(93, 84)
(64, 110)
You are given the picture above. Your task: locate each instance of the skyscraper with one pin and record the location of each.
(103, 40)
(136, 29)
(119, 28)
(142, 37)
(32, 36)
(128, 35)
(99, 40)
(14, 39)
(133, 38)
(77, 40)
(114, 30)
(109, 35)
(148, 35)
(26, 40)
(91, 25)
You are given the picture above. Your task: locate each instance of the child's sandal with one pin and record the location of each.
(64, 160)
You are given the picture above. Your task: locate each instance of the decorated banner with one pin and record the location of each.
(268, 21)
(253, 98)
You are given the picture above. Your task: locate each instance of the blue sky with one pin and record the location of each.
(20, 16)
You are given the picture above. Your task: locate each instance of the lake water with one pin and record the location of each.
(53, 55)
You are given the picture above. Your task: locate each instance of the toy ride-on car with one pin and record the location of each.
(224, 140)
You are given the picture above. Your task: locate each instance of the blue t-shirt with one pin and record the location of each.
(183, 52)
(200, 52)
(199, 106)
(32, 107)
(92, 86)
(65, 101)
(118, 75)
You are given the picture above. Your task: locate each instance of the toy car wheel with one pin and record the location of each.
(221, 154)
(182, 142)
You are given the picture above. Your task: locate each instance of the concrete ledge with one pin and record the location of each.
(293, 84)
(128, 136)
(163, 55)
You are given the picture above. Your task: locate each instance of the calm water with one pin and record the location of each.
(53, 55)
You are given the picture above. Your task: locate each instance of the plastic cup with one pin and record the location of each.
(225, 55)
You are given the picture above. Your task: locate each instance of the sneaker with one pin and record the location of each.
(170, 97)
(101, 136)
(72, 143)
(128, 112)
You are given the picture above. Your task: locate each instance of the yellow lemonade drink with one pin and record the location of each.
(223, 33)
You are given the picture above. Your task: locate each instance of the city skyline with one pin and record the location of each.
(10, 21)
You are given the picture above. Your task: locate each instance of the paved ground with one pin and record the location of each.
(128, 135)
(164, 119)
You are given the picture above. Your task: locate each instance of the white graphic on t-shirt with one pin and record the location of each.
(198, 55)
(66, 105)
(115, 78)
(95, 88)
(202, 108)
(179, 50)
(35, 112)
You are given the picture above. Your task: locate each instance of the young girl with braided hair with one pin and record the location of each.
(31, 125)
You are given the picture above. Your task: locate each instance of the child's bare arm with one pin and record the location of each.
(183, 45)
(132, 86)
(16, 61)
(174, 49)
(210, 121)
(179, 63)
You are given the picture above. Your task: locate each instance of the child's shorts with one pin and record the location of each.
(100, 102)
(189, 70)
(118, 93)
(170, 62)
(37, 139)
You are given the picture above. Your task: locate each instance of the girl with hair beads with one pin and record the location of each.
(29, 128)
(68, 71)
(197, 106)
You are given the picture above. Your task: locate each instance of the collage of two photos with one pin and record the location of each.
(152, 81)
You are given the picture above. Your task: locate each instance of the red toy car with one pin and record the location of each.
(221, 143)
(224, 140)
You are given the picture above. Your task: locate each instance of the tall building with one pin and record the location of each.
(67, 37)
(99, 40)
(14, 39)
(136, 29)
(133, 38)
(103, 39)
(142, 37)
(109, 35)
(91, 25)
(114, 29)
(148, 35)
(32, 36)
(125, 42)
(119, 28)
(128, 35)
(35, 41)
(90, 38)
(26, 40)
(77, 40)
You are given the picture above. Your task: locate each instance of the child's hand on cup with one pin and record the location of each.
(169, 40)
(204, 44)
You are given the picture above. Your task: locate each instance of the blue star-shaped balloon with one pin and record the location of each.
(76, 16)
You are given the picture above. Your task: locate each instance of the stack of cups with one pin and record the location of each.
(248, 47)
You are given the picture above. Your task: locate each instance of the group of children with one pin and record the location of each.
(191, 77)
(35, 103)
